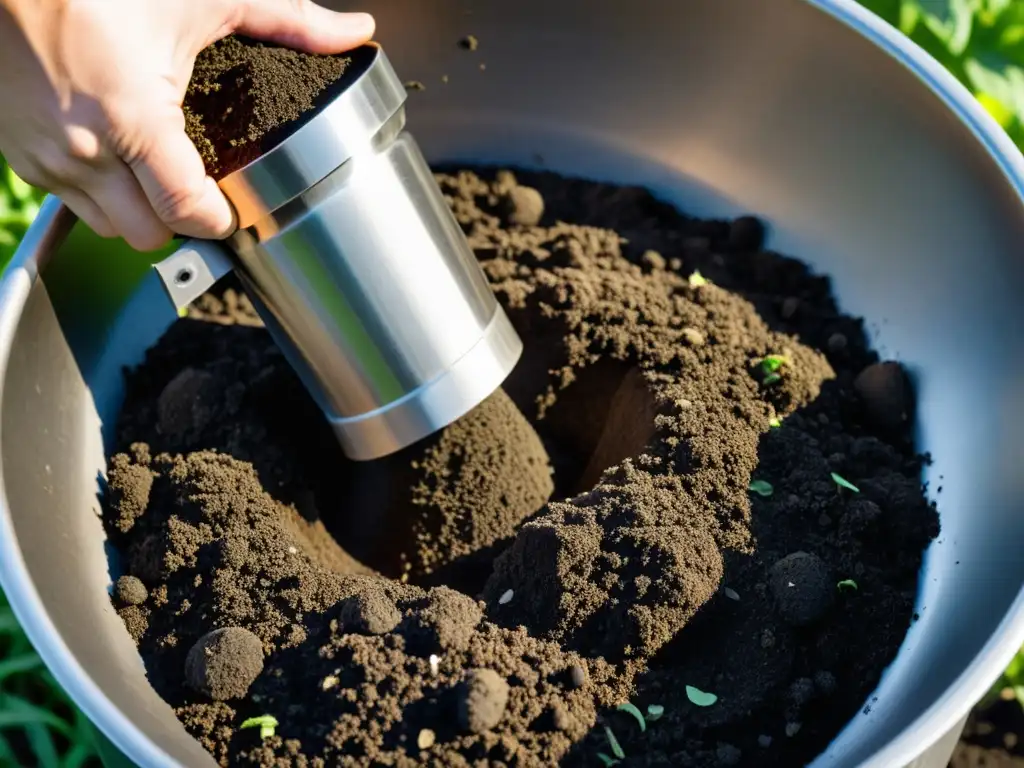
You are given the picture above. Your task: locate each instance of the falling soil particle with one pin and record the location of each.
(414, 85)
(469, 43)
(605, 486)
(246, 96)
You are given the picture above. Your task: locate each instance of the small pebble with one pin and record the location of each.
(746, 233)
(371, 612)
(223, 664)
(483, 699)
(790, 307)
(764, 741)
(130, 591)
(328, 682)
(803, 588)
(885, 394)
(693, 337)
(836, 342)
(560, 717)
(426, 739)
(435, 663)
(792, 729)
(578, 676)
(523, 206)
(506, 597)
(732, 594)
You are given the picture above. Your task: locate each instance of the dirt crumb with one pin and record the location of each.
(482, 700)
(224, 663)
(129, 590)
(803, 588)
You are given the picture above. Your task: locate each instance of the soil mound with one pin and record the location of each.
(622, 522)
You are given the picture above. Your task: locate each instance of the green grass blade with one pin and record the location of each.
(41, 742)
(15, 712)
(19, 664)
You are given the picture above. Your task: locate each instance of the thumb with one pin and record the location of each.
(304, 25)
(172, 175)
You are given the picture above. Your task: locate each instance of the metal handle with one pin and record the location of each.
(192, 270)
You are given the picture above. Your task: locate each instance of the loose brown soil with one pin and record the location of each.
(584, 538)
(245, 97)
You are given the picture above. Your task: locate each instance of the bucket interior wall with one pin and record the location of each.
(722, 107)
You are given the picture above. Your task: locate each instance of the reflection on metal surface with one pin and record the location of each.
(361, 272)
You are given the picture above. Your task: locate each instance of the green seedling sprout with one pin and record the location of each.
(606, 760)
(773, 363)
(699, 697)
(842, 482)
(761, 488)
(696, 280)
(771, 378)
(614, 743)
(636, 713)
(847, 584)
(266, 724)
(654, 711)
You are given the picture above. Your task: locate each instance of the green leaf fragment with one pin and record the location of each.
(773, 363)
(771, 378)
(605, 760)
(699, 697)
(775, 422)
(636, 713)
(842, 482)
(697, 279)
(266, 724)
(614, 743)
(654, 711)
(847, 584)
(761, 488)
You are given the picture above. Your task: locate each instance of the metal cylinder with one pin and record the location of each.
(362, 274)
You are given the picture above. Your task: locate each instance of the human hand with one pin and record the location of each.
(93, 90)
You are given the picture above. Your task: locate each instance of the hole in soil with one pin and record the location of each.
(419, 514)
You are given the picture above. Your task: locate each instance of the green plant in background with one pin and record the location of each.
(38, 725)
(981, 42)
(19, 204)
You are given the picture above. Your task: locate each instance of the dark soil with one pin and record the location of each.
(268, 89)
(585, 538)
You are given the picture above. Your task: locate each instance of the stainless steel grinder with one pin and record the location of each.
(360, 271)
